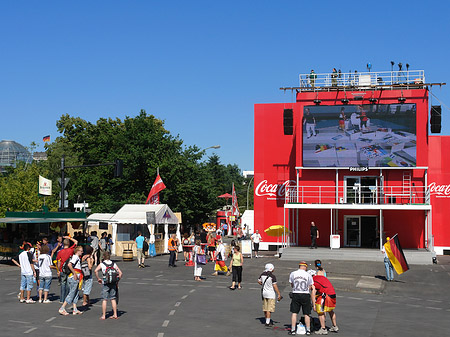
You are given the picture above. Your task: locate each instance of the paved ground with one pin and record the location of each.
(164, 302)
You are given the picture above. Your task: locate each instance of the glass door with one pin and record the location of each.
(352, 231)
(352, 190)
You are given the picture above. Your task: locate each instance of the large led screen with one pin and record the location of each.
(374, 135)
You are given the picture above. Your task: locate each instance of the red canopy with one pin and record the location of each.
(226, 195)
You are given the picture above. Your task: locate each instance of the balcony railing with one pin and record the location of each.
(362, 80)
(376, 195)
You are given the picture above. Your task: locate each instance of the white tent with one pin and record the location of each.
(137, 214)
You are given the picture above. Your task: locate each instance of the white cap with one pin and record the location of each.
(269, 267)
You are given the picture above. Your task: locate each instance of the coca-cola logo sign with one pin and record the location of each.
(272, 191)
(439, 191)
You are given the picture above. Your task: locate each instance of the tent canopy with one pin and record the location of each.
(137, 214)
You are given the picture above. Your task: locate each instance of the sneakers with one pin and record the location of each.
(22, 301)
(30, 301)
(322, 331)
(308, 332)
(47, 301)
(292, 332)
(40, 301)
(334, 329)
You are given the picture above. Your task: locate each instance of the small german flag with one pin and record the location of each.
(395, 253)
(46, 138)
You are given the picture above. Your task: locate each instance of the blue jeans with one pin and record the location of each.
(26, 282)
(45, 282)
(72, 297)
(87, 286)
(389, 269)
(64, 287)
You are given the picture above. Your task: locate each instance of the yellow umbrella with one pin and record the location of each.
(277, 230)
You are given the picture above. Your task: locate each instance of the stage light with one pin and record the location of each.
(392, 65)
(373, 100)
(407, 66)
(317, 101)
(401, 100)
(344, 101)
(369, 66)
(400, 65)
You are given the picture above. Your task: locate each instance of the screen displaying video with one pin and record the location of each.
(373, 135)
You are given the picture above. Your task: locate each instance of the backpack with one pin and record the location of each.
(85, 269)
(145, 246)
(111, 275)
(65, 268)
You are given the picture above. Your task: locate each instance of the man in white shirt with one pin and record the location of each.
(301, 283)
(27, 273)
(256, 239)
(269, 292)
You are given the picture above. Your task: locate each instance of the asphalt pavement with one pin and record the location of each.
(164, 302)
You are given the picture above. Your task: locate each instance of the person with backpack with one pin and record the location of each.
(61, 258)
(111, 276)
(87, 262)
(269, 292)
(74, 279)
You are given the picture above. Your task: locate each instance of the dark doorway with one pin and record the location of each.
(369, 232)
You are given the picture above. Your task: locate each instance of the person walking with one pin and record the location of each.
(325, 301)
(61, 258)
(301, 283)
(256, 239)
(45, 273)
(388, 264)
(74, 279)
(237, 261)
(269, 292)
(103, 244)
(199, 254)
(94, 245)
(211, 240)
(111, 277)
(172, 245)
(140, 250)
(220, 265)
(314, 235)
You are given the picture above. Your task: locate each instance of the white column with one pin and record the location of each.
(166, 238)
(180, 246)
(114, 238)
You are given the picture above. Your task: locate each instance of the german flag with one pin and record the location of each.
(46, 138)
(395, 253)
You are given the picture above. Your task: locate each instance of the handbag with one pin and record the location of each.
(201, 259)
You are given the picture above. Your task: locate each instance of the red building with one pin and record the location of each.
(353, 154)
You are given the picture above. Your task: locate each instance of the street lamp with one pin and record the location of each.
(212, 147)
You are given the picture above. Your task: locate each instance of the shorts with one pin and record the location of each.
(87, 286)
(256, 247)
(45, 282)
(212, 248)
(140, 255)
(269, 304)
(26, 282)
(301, 301)
(109, 291)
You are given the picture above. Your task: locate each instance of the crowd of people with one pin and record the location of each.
(74, 263)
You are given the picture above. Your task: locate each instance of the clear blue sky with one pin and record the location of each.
(198, 65)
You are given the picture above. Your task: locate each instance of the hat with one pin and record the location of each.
(303, 263)
(269, 267)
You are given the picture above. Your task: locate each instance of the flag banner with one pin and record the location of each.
(46, 138)
(234, 203)
(153, 196)
(45, 186)
(395, 253)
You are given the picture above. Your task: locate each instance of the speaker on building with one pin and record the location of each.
(288, 121)
(435, 120)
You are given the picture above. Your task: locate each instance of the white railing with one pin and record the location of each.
(362, 80)
(387, 195)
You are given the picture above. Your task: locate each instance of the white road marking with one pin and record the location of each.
(166, 323)
(374, 300)
(159, 275)
(433, 308)
(29, 330)
(254, 288)
(147, 279)
(161, 334)
(413, 305)
(192, 290)
(355, 298)
(173, 284)
(157, 284)
(389, 302)
(14, 292)
(172, 312)
(205, 286)
(184, 297)
(125, 282)
(20, 322)
(62, 327)
(133, 278)
(50, 319)
(177, 304)
(437, 301)
(415, 298)
(141, 282)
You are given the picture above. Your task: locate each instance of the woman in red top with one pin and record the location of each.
(325, 300)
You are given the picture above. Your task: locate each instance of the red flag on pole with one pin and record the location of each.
(153, 196)
(234, 203)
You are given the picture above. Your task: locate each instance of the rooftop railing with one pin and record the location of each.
(376, 195)
(362, 80)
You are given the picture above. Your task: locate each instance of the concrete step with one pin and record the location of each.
(421, 257)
